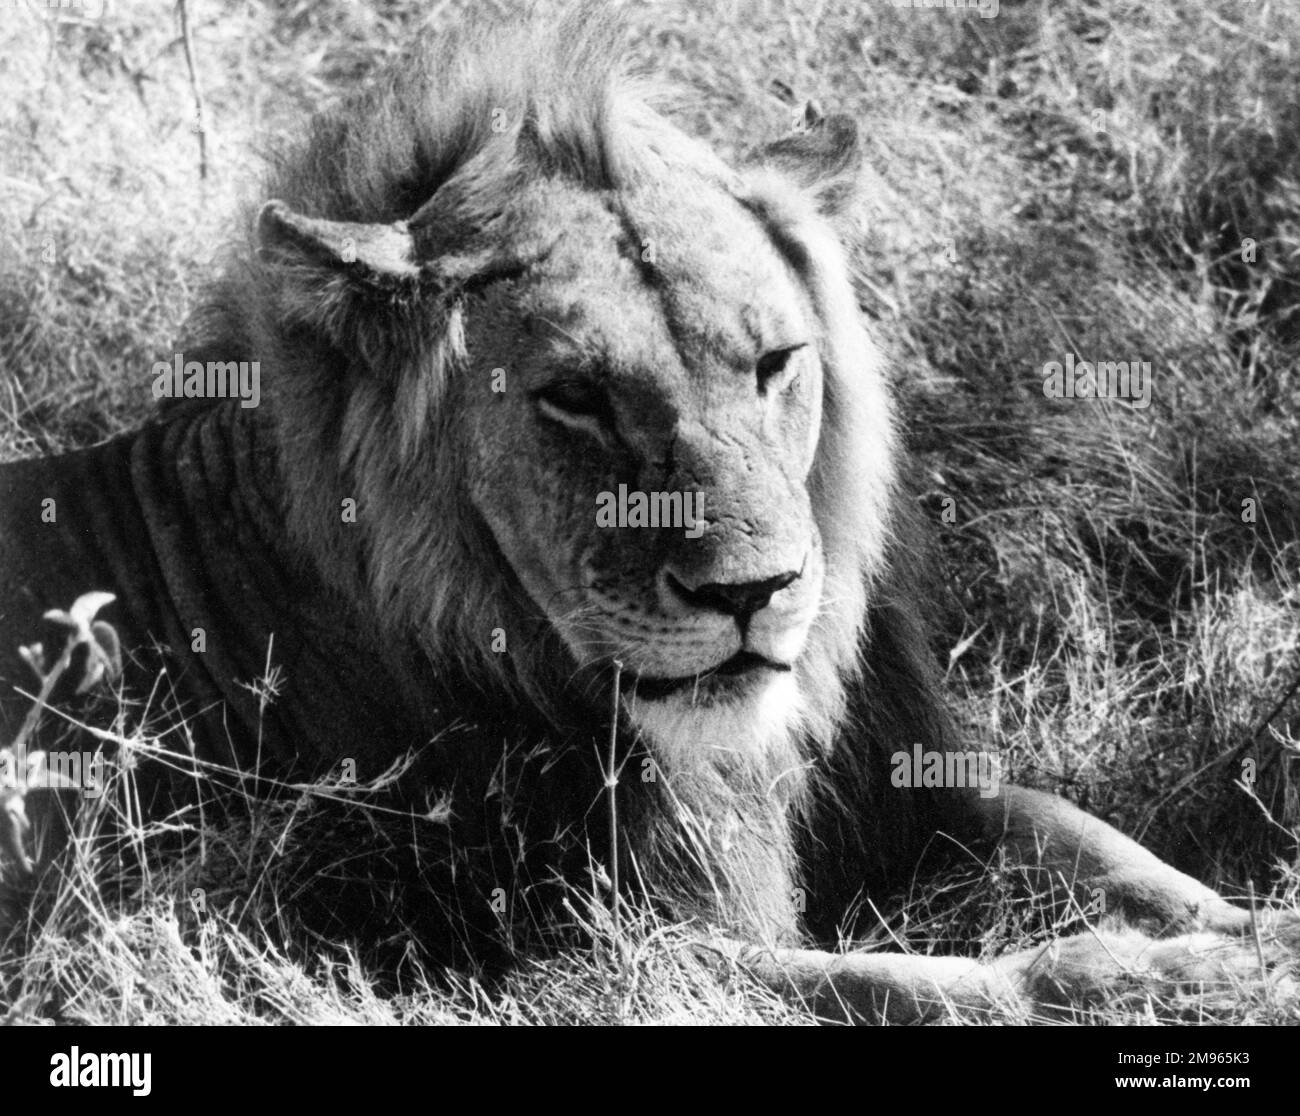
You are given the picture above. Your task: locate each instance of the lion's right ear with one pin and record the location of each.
(361, 286)
(823, 155)
(381, 290)
(376, 255)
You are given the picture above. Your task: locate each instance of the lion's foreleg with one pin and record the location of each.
(1104, 871)
(877, 987)
(1111, 969)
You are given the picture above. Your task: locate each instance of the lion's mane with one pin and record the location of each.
(355, 389)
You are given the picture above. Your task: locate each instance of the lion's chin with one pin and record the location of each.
(748, 715)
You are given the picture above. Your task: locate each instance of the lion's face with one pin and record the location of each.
(667, 350)
(648, 385)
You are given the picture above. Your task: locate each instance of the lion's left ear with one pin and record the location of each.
(823, 155)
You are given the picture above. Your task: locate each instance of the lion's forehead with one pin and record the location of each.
(639, 284)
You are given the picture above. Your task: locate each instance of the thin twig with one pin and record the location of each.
(199, 112)
(611, 789)
(1259, 946)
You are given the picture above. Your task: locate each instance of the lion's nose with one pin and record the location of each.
(742, 598)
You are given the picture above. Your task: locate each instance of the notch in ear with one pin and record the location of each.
(361, 287)
(384, 291)
(446, 244)
(823, 155)
(378, 255)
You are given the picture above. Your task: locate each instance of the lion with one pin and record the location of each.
(483, 296)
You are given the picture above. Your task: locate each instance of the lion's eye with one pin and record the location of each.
(573, 396)
(576, 403)
(774, 369)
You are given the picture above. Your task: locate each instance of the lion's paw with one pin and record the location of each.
(1271, 923)
(1115, 968)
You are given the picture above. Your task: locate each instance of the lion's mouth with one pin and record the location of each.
(737, 670)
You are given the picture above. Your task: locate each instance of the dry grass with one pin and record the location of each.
(1074, 177)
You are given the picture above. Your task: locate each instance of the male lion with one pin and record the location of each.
(486, 293)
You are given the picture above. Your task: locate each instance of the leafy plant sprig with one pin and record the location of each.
(20, 770)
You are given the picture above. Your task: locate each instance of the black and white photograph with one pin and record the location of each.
(650, 513)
